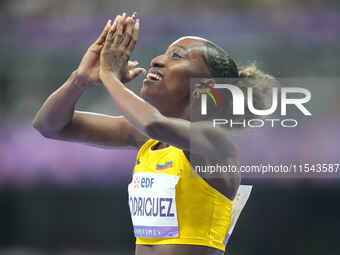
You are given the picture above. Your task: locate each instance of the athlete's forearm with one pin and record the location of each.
(138, 112)
(215, 143)
(58, 109)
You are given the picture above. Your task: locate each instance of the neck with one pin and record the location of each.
(180, 113)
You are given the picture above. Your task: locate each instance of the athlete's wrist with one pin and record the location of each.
(108, 77)
(79, 81)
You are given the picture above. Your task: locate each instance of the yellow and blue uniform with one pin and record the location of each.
(171, 204)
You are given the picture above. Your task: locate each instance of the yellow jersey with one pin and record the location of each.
(171, 204)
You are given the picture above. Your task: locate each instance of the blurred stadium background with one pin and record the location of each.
(62, 198)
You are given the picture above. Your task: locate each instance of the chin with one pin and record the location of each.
(150, 98)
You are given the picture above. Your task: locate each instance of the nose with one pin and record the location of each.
(158, 61)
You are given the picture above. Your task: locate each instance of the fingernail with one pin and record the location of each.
(137, 22)
(136, 62)
(124, 14)
(114, 24)
(108, 22)
(134, 15)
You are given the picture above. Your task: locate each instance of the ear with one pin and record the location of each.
(207, 82)
(203, 84)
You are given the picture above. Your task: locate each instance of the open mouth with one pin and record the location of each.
(154, 76)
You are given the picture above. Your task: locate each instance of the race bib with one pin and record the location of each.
(152, 202)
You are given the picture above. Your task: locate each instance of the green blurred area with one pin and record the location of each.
(27, 79)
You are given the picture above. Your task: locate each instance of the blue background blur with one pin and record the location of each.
(63, 198)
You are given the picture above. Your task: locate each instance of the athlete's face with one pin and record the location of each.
(167, 85)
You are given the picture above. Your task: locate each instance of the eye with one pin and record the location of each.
(176, 55)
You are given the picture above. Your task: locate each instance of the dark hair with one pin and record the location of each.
(221, 65)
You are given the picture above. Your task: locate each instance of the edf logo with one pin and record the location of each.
(146, 182)
(143, 182)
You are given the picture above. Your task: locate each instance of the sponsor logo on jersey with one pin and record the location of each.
(143, 182)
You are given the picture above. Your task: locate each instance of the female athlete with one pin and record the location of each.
(174, 210)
